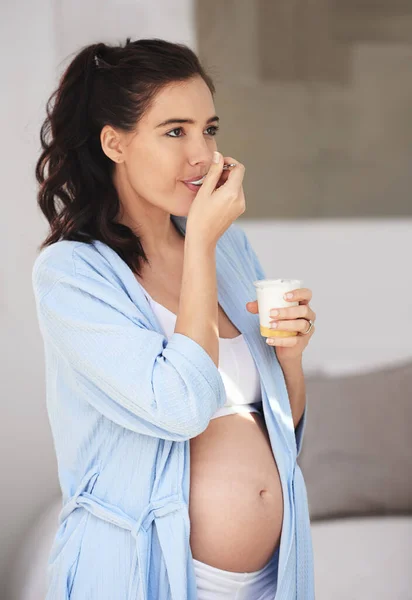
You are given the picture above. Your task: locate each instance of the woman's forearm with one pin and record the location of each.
(295, 383)
(197, 316)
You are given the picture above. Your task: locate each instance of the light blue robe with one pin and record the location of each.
(123, 403)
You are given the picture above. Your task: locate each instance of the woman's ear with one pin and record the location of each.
(111, 144)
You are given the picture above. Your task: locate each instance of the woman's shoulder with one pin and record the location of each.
(67, 259)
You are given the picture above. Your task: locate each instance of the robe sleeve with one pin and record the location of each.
(260, 274)
(131, 374)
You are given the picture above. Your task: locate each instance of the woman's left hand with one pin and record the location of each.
(291, 318)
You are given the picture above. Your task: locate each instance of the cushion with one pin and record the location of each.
(356, 454)
(363, 558)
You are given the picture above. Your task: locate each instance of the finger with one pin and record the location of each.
(223, 178)
(299, 325)
(234, 176)
(252, 307)
(287, 342)
(213, 175)
(304, 294)
(294, 312)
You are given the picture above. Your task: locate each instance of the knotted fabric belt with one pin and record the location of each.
(168, 529)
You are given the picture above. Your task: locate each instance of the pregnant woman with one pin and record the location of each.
(176, 427)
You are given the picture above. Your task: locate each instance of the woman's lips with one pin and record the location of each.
(191, 186)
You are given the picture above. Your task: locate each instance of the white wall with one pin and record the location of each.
(359, 274)
(36, 39)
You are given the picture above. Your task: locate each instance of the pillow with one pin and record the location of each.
(356, 455)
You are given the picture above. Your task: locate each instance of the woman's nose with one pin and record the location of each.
(201, 152)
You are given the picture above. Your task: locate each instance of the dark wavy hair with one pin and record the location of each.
(102, 85)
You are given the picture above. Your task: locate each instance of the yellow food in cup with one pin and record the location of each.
(268, 332)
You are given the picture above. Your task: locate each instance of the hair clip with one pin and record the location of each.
(96, 60)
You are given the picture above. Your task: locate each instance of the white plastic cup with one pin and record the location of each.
(270, 294)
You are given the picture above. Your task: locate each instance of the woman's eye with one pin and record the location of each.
(214, 129)
(178, 129)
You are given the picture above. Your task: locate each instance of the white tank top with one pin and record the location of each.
(236, 367)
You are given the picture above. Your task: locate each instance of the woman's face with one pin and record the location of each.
(156, 158)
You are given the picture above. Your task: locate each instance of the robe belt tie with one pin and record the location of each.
(157, 511)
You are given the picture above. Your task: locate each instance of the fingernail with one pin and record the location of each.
(216, 157)
(289, 295)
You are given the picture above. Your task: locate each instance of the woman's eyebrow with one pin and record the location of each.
(175, 120)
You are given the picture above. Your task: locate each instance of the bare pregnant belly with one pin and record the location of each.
(236, 500)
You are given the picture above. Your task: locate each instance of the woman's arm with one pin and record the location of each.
(295, 383)
(292, 370)
(197, 317)
(133, 375)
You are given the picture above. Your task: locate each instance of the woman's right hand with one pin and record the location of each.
(216, 204)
